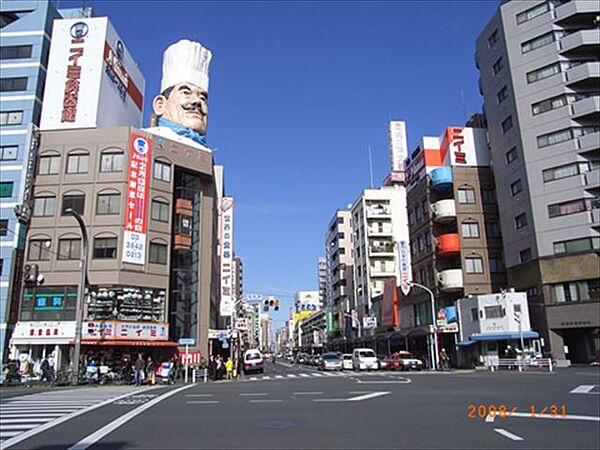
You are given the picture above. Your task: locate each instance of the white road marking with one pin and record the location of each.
(253, 394)
(305, 375)
(199, 395)
(6, 420)
(253, 378)
(308, 393)
(202, 402)
(490, 418)
(291, 375)
(360, 398)
(265, 401)
(359, 392)
(266, 377)
(584, 389)
(12, 415)
(107, 429)
(7, 434)
(508, 434)
(279, 377)
(383, 382)
(22, 426)
(329, 400)
(318, 375)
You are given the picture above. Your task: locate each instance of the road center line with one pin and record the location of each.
(109, 428)
(308, 393)
(265, 401)
(199, 395)
(253, 394)
(202, 402)
(508, 434)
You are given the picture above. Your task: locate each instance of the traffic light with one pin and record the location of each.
(266, 305)
(276, 308)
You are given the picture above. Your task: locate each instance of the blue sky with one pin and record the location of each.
(298, 92)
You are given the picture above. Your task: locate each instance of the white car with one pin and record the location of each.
(347, 361)
(253, 361)
(364, 359)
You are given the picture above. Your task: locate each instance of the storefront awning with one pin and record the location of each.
(130, 343)
(503, 336)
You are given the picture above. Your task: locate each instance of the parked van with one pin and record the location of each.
(364, 359)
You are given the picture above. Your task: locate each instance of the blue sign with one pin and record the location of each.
(186, 341)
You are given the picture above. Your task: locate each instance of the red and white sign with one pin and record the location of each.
(92, 80)
(43, 332)
(226, 242)
(136, 208)
(114, 330)
(193, 358)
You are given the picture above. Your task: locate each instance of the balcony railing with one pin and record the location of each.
(444, 211)
(450, 280)
(448, 244)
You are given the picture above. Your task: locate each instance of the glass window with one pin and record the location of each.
(105, 248)
(466, 195)
(425, 208)
(496, 265)
(108, 204)
(492, 230)
(516, 187)
(78, 163)
(488, 195)
(49, 165)
(544, 72)
(69, 249)
(162, 171)
(511, 155)
(470, 230)
(159, 211)
(532, 13)
(507, 124)
(474, 315)
(493, 312)
(540, 41)
(498, 66)
(6, 189)
(158, 253)
(44, 206)
(11, 117)
(502, 94)
(428, 239)
(15, 51)
(3, 227)
(418, 211)
(13, 84)
(76, 202)
(493, 39)
(411, 217)
(474, 265)
(520, 221)
(39, 250)
(9, 152)
(577, 245)
(525, 255)
(566, 208)
(111, 162)
(568, 170)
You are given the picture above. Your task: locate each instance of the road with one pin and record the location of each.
(299, 407)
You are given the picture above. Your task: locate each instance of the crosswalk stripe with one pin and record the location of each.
(291, 375)
(279, 376)
(318, 375)
(4, 420)
(305, 375)
(28, 414)
(7, 434)
(266, 377)
(24, 426)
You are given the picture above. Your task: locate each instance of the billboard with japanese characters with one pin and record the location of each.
(226, 241)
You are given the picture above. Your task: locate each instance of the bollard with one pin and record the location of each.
(205, 375)
(193, 377)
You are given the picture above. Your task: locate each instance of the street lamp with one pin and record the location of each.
(434, 349)
(75, 366)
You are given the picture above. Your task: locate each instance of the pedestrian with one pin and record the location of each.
(139, 367)
(212, 368)
(220, 368)
(229, 368)
(46, 371)
(445, 359)
(151, 371)
(177, 364)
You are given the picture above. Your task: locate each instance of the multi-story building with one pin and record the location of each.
(339, 276)
(238, 279)
(322, 279)
(456, 245)
(141, 298)
(265, 332)
(539, 76)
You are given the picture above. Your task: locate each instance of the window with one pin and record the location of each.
(9, 152)
(559, 101)
(159, 211)
(466, 196)
(425, 208)
(498, 66)
(49, 303)
(496, 265)
(78, 162)
(3, 227)
(474, 315)
(521, 221)
(6, 189)
(162, 171)
(517, 308)
(49, 165)
(108, 204)
(13, 84)
(474, 265)
(492, 230)
(565, 135)
(16, 52)
(158, 253)
(532, 13)
(69, 249)
(418, 211)
(39, 250)
(567, 208)
(525, 255)
(574, 291)
(577, 245)
(428, 239)
(421, 243)
(44, 206)
(502, 94)
(507, 124)
(105, 248)
(111, 161)
(542, 40)
(568, 170)
(511, 155)
(516, 187)
(411, 217)
(544, 72)
(11, 117)
(76, 202)
(493, 39)
(470, 230)
(493, 312)
(488, 195)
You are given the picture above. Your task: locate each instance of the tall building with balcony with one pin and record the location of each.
(339, 274)
(456, 245)
(25, 35)
(540, 78)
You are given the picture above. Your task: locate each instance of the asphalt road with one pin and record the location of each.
(291, 407)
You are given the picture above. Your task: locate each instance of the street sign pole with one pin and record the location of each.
(186, 362)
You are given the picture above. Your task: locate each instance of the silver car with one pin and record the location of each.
(330, 361)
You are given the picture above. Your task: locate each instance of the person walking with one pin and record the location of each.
(151, 371)
(139, 367)
(212, 368)
(220, 368)
(445, 359)
(229, 368)
(46, 371)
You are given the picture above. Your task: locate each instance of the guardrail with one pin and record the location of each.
(200, 374)
(494, 364)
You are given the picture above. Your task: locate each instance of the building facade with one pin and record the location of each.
(539, 77)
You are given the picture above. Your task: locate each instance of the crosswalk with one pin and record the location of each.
(28, 412)
(300, 375)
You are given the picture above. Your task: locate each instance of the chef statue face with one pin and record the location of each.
(184, 104)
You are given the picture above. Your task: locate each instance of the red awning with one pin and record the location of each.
(130, 343)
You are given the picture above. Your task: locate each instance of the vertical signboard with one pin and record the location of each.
(226, 304)
(389, 306)
(405, 269)
(397, 144)
(136, 208)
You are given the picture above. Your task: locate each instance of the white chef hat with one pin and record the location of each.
(185, 62)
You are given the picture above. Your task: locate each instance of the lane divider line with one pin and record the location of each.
(265, 401)
(508, 434)
(584, 389)
(253, 394)
(202, 402)
(112, 426)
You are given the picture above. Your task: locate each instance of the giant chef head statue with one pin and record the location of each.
(182, 105)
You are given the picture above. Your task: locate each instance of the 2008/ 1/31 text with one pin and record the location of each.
(484, 411)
